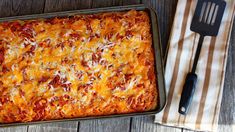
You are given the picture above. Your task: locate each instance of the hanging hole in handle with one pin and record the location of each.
(182, 109)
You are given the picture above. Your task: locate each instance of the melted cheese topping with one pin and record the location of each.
(85, 65)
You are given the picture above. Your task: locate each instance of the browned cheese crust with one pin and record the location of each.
(79, 66)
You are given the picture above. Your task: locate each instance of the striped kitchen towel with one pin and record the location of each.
(204, 112)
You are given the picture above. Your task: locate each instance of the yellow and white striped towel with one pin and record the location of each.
(205, 107)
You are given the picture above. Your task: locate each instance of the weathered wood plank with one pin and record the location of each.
(131, 2)
(14, 129)
(166, 12)
(64, 5)
(20, 7)
(23, 7)
(227, 110)
(105, 3)
(5, 8)
(221, 128)
(55, 127)
(145, 124)
(106, 125)
(226, 128)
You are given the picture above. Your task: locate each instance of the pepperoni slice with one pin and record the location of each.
(118, 36)
(55, 82)
(1, 83)
(88, 26)
(130, 99)
(22, 93)
(31, 51)
(43, 79)
(15, 26)
(151, 74)
(61, 45)
(147, 63)
(22, 114)
(4, 99)
(50, 21)
(40, 108)
(138, 104)
(129, 34)
(96, 57)
(45, 43)
(84, 63)
(66, 86)
(140, 85)
(60, 82)
(139, 20)
(109, 35)
(116, 17)
(2, 52)
(79, 75)
(64, 100)
(75, 36)
(53, 100)
(128, 76)
(27, 31)
(65, 60)
(5, 25)
(40, 104)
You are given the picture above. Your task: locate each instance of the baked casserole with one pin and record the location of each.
(76, 66)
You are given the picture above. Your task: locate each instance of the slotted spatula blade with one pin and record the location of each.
(207, 17)
(206, 21)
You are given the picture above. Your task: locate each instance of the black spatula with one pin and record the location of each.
(206, 21)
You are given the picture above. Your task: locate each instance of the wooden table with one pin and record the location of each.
(165, 10)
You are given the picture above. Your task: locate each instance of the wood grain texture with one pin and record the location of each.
(131, 2)
(106, 125)
(145, 124)
(14, 129)
(64, 5)
(54, 127)
(105, 3)
(20, 7)
(226, 128)
(5, 8)
(227, 110)
(166, 11)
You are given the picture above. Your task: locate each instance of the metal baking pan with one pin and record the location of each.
(159, 69)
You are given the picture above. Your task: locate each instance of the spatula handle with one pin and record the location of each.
(187, 93)
(199, 47)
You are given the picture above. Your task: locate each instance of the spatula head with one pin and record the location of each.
(207, 17)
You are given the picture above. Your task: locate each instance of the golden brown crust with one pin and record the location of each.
(86, 65)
